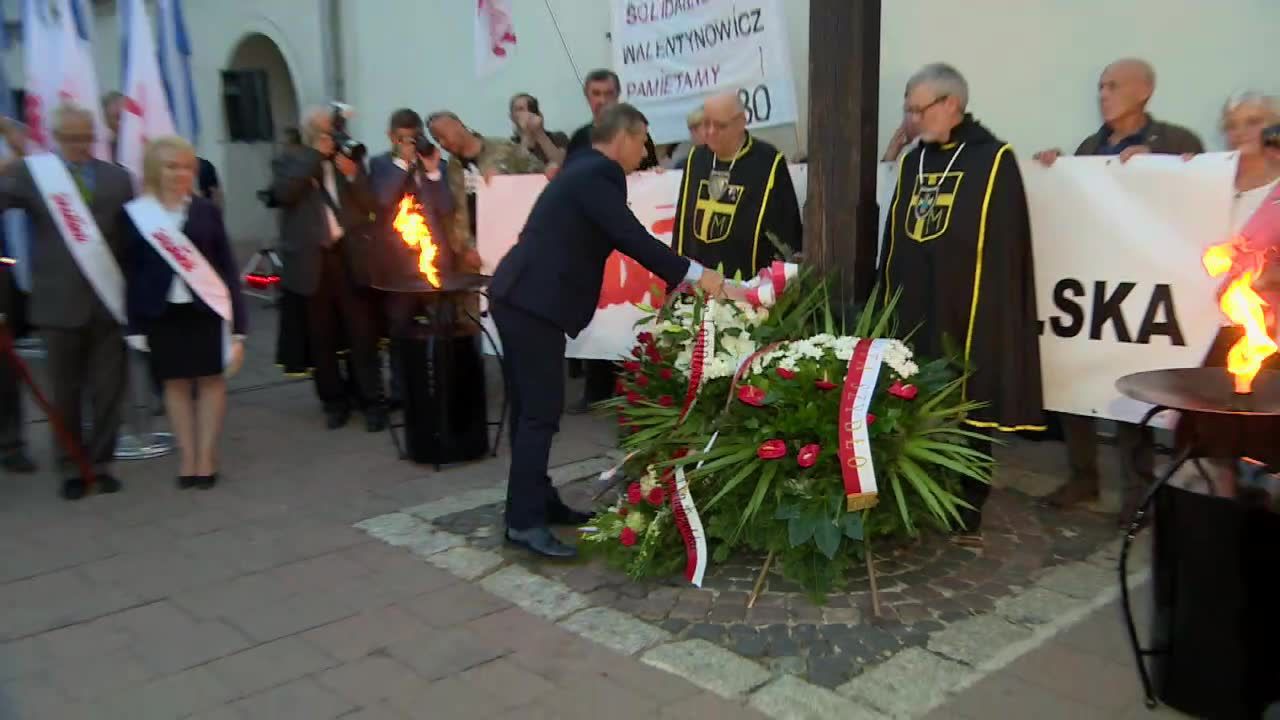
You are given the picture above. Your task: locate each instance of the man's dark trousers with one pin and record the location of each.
(534, 353)
(339, 305)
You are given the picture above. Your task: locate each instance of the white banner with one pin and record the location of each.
(1119, 283)
(672, 54)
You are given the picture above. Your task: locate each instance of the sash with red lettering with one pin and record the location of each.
(157, 226)
(79, 231)
(858, 470)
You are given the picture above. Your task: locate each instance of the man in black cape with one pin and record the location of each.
(958, 245)
(735, 193)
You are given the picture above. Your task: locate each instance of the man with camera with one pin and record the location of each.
(326, 202)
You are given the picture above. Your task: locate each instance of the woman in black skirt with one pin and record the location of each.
(193, 347)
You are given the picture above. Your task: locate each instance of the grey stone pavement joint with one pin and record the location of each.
(467, 562)
(790, 698)
(534, 593)
(615, 630)
(709, 666)
(907, 684)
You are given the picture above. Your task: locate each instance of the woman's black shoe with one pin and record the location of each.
(186, 482)
(72, 488)
(206, 482)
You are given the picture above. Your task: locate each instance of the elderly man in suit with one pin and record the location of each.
(71, 302)
(325, 201)
(547, 286)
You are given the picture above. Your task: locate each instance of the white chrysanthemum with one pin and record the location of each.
(649, 481)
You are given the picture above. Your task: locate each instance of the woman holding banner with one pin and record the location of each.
(184, 302)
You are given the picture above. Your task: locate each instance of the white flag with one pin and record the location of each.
(78, 82)
(40, 58)
(146, 109)
(175, 68)
(495, 35)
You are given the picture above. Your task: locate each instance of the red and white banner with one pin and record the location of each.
(146, 109)
(856, 466)
(495, 36)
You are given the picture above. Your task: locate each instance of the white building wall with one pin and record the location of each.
(1032, 64)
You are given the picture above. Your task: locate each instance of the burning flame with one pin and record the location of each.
(1243, 306)
(412, 226)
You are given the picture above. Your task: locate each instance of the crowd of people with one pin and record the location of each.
(965, 275)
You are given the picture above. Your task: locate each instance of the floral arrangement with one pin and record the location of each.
(732, 417)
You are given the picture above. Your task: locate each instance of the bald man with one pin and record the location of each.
(1124, 90)
(735, 193)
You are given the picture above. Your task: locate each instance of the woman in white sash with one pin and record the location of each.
(182, 299)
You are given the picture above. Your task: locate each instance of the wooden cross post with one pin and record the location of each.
(844, 104)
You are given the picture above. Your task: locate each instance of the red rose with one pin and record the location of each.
(634, 398)
(666, 401)
(656, 496)
(619, 387)
(751, 395)
(680, 453)
(666, 374)
(645, 338)
(871, 419)
(785, 374)
(654, 353)
(637, 351)
(772, 450)
(824, 384)
(642, 381)
(628, 537)
(634, 494)
(808, 455)
(623, 420)
(906, 392)
(631, 366)
(622, 512)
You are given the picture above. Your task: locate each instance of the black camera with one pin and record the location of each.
(344, 144)
(423, 145)
(1271, 137)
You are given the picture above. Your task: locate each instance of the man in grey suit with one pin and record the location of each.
(325, 203)
(85, 344)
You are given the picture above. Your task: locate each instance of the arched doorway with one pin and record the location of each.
(259, 101)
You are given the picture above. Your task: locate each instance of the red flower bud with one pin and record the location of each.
(642, 381)
(634, 398)
(619, 387)
(824, 384)
(627, 537)
(871, 419)
(666, 374)
(680, 453)
(654, 354)
(751, 395)
(622, 512)
(631, 366)
(657, 496)
(666, 401)
(785, 374)
(634, 494)
(772, 450)
(808, 455)
(906, 392)
(645, 338)
(637, 351)
(623, 420)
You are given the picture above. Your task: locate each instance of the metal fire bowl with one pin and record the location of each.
(451, 283)
(1203, 390)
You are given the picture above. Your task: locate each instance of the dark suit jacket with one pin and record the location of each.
(61, 297)
(148, 276)
(388, 182)
(1163, 138)
(297, 184)
(556, 268)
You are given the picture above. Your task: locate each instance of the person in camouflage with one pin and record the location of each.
(474, 157)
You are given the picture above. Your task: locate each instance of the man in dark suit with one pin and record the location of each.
(84, 342)
(325, 199)
(13, 454)
(547, 286)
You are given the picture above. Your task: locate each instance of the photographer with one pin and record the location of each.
(326, 200)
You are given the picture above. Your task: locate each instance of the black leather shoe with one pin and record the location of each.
(18, 462)
(107, 484)
(72, 488)
(565, 515)
(334, 419)
(375, 420)
(540, 541)
(186, 482)
(206, 482)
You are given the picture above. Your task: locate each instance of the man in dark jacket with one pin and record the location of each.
(325, 201)
(547, 286)
(1125, 88)
(13, 454)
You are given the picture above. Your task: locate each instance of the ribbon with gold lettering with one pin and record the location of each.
(856, 466)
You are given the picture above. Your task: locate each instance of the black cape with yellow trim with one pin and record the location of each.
(731, 234)
(963, 260)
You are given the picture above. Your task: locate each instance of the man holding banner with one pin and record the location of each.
(77, 288)
(958, 246)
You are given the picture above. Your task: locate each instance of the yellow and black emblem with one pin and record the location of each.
(713, 218)
(929, 213)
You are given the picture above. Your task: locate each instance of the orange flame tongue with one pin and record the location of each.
(1243, 306)
(412, 226)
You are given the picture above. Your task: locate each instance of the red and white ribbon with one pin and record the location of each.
(687, 521)
(704, 347)
(765, 289)
(856, 466)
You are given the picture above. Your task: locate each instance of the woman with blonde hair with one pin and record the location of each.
(184, 302)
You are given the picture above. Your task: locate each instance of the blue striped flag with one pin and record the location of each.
(174, 49)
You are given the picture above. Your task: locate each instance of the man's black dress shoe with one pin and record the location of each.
(18, 462)
(375, 420)
(565, 515)
(541, 541)
(107, 484)
(72, 488)
(334, 419)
